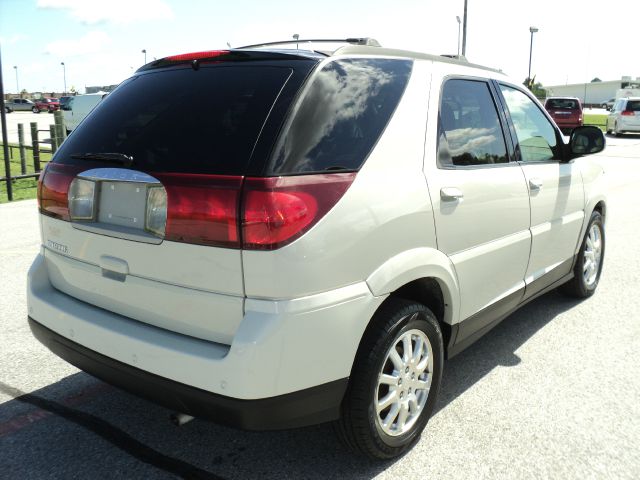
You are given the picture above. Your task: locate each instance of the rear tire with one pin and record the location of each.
(395, 381)
(586, 273)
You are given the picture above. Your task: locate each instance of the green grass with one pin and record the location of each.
(25, 188)
(597, 120)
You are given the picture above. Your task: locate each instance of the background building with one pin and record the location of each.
(593, 93)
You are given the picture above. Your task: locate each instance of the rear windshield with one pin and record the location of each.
(562, 103)
(182, 120)
(341, 115)
(633, 106)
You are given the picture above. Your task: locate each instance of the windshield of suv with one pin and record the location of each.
(182, 120)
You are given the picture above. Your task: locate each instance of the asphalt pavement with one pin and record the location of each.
(552, 392)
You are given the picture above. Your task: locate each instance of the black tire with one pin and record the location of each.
(578, 287)
(358, 427)
(7, 110)
(35, 110)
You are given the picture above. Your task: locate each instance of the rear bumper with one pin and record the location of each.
(306, 407)
(288, 360)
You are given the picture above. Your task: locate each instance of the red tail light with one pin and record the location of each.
(202, 209)
(628, 113)
(53, 188)
(278, 210)
(205, 209)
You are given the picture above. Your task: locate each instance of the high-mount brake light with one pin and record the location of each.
(186, 57)
(278, 210)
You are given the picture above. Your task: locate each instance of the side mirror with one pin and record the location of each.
(586, 140)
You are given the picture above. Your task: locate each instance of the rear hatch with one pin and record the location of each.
(140, 203)
(631, 114)
(565, 111)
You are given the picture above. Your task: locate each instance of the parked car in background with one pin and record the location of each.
(608, 104)
(19, 105)
(565, 111)
(78, 107)
(624, 116)
(48, 104)
(290, 238)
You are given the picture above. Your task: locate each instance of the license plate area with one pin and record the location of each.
(120, 204)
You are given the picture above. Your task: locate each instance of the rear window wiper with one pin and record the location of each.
(112, 157)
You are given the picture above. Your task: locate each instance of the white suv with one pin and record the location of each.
(295, 237)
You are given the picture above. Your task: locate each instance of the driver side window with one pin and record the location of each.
(536, 136)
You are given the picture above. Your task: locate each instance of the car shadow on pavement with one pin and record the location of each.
(81, 427)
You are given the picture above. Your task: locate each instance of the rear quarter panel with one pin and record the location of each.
(385, 211)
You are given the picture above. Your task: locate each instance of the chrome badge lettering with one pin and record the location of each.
(57, 246)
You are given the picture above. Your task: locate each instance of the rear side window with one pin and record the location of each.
(183, 120)
(469, 131)
(562, 103)
(341, 115)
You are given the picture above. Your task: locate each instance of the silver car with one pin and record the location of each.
(624, 116)
(20, 104)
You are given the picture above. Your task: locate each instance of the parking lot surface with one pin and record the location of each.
(552, 392)
(43, 120)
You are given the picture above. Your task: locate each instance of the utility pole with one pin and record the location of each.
(464, 30)
(5, 139)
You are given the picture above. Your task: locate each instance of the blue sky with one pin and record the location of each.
(101, 42)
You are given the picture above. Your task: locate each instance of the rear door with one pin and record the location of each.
(555, 190)
(191, 134)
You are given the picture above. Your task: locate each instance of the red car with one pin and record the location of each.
(49, 104)
(566, 111)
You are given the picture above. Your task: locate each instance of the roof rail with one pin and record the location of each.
(371, 42)
(462, 58)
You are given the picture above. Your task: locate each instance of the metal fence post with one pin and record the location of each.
(36, 146)
(54, 138)
(61, 131)
(23, 151)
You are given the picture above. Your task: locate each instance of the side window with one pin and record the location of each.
(469, 130)
(536, 135)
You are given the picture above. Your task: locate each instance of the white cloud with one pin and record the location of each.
(92, 42)
(13, 39)
(117, 11)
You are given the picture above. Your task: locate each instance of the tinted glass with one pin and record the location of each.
(536, 135)
(562, 103)
(469, 129)
(182, 120)
(341, 116)
(633, 106)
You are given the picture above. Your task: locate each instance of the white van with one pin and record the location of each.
(79, 107)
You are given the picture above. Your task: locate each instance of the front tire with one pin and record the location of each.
(586, 273)
(35, 110)
(395, 381)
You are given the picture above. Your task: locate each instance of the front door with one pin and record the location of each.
(555, 187)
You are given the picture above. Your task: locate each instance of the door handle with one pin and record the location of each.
(535, 184)
(449, 194)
